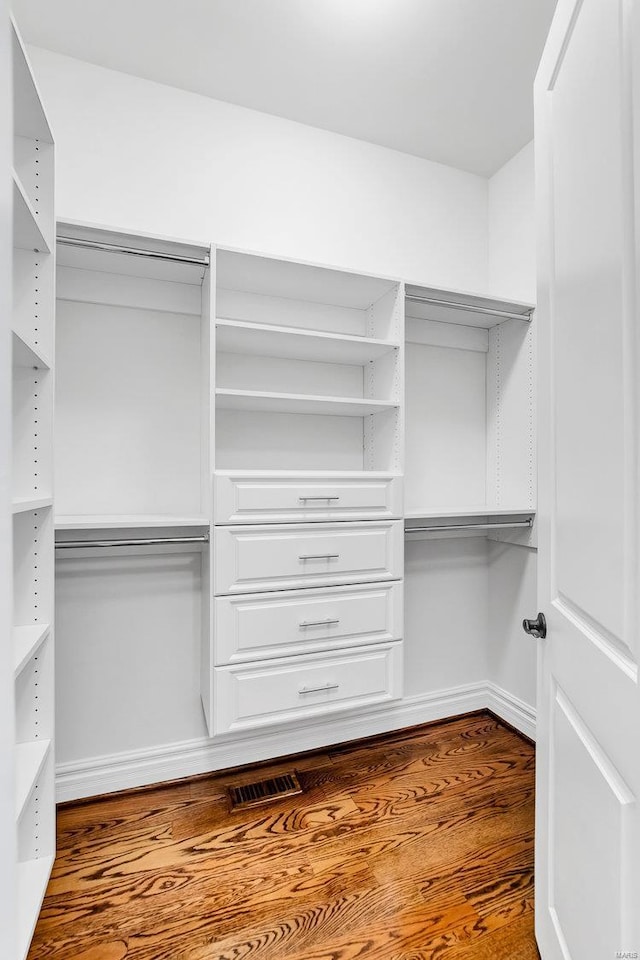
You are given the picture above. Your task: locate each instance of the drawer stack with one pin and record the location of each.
(308, 607)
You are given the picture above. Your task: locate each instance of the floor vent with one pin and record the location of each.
(262, 791)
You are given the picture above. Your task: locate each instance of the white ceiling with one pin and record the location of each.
(449, 80)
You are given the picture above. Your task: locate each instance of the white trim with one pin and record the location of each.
(136, 768)
(511, 709)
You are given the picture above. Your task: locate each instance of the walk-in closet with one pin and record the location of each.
(319, 475)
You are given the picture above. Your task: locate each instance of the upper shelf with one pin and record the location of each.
(467, 309)
(267, 340)
(123, 522)
(29, 117)
(262, 402)
(271, 277)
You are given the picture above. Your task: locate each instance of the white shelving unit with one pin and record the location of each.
(257, 401)
(309, 398)
(470, 441)
(308, 367)
(32, 488)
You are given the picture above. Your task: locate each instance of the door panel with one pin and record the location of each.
(586, 791)
(588, 769)
(588, 339)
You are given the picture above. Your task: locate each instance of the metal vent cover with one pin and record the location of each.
(264, 791)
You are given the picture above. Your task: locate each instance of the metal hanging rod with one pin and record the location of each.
(150, 541)
(508, 525)
(133, 251)
(471, 308)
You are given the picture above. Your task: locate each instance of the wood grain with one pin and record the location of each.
(413, 846)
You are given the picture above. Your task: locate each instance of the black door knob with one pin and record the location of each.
(536, 628)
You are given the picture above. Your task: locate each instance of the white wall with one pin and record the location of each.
(512, 256)
(511, 654)
(148, 157)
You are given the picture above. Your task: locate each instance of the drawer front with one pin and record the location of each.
(268, 625)
(276, 691)
(282, 499)
(252, 559)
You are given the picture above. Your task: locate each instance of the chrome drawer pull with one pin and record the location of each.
(317, 623)
(319, 556)
(302, 499)
(326, 686)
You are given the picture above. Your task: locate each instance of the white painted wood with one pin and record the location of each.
(32, 430)
(280, 499)
(268, 625)
(269, 402)
(30, 638)
(33, 876)
(293, 280)
(25, 354)
(296, 688)
(511, 434)
(33, 274)
(133, 522)
(27, 640)
(121, 770)
(30, 758)
(127, 266)
(453, 307)
(588, 766)
(270, 557)
(28, 231)
(8, 842)
(262, 340)
(28, 504)
(29, 116)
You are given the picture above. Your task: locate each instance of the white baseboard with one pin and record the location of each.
(512, 710)
(136, 768)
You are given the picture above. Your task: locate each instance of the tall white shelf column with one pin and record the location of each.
(31, 635)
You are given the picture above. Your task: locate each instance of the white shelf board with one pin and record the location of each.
(262, 402)
(296, 280)
(467, 309)
(29, 117)
(137, 521)
(25, 504)
(310, 474)
(456, 513)
(267, 340)
(26, 354)
(33, 876)
(30, 758)
(27, 640)
(27, 230)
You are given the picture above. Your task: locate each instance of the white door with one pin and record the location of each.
(587, 102)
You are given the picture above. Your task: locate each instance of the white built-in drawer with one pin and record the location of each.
(267, 625)
(278, 499)
(255, 558)
(276, 691)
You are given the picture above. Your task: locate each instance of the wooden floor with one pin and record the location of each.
(413, 846)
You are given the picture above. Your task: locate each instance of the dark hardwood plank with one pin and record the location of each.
(417, 845)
